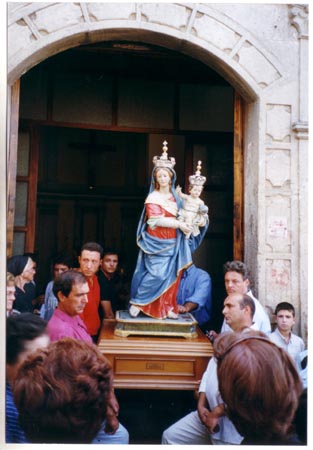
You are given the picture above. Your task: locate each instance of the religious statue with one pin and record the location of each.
(164, 252)
(194, 212)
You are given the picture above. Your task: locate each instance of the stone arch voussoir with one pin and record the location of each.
(37, 31)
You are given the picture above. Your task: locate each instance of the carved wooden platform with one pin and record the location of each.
(185, 326)
(155, 362)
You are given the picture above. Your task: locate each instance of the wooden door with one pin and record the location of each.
(21, 181)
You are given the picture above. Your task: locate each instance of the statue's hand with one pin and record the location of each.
(178, 189)
(186, 229)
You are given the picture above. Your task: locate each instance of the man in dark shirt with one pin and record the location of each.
(113, 288)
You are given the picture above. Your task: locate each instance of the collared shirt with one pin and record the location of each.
(62, 325)
(13, 431)
(50, 303)
(260, 318)
(91, 312)
(195, 286)
(293, 347)
(209, 384)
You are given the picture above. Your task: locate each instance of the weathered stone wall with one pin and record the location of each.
(262, 50)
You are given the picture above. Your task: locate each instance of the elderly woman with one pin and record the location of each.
(260, 386)
(23, 268)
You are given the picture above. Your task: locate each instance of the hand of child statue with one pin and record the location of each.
(178, 189)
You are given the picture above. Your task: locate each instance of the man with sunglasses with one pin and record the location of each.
(209, 424)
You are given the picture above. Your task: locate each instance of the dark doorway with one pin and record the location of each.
(97, 114)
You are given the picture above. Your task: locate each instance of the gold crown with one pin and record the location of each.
(163, 161)
(197, 179)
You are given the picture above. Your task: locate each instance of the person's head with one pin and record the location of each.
(25, 333)
(259, 384)
(90, 258)
(71, 289)
(23, 267)
(61, 263)
(195, 190)
(61, 392)
(109, 261)
(162, 177)
(238, 311)
(285, 316)
(10, 285)
(236, 277)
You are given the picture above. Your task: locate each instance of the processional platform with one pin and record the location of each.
(184, 326)
(154, 361)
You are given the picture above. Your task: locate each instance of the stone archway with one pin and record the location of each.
(37, 31)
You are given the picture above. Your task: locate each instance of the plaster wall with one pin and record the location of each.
(262, 50)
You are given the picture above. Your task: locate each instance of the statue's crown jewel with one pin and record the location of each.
(197, 179)
(163, 161)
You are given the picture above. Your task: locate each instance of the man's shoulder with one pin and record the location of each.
(59, 319)
(297, 338)
(199, 273)
(59, 326)
(102, 279)
(275, 336)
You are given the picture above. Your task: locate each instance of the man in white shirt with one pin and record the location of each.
(209, 424)
(236, 278)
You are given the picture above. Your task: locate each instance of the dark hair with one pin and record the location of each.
(65, 281)
(20, 329)
(62, 258)
(246, 300)
(236, 266)
(110, 251)
(285, 306)
(92, 247)
(259, 384)
(61, 392)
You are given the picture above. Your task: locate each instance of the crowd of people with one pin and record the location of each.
(56, 347)
(59, 387)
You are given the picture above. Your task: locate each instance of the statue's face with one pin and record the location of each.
(163, 177)
(195, 191)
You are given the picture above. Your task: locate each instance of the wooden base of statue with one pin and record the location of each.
(154, 361)
(185, 326)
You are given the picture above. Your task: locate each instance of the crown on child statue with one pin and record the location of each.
(163, 160)
(197, 179)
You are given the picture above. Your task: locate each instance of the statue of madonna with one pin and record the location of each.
(164, 252)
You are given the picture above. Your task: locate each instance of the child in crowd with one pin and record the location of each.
(282, 335)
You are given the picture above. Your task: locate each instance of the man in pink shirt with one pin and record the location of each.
(71, 290)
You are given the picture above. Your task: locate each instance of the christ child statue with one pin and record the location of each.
(194, 212)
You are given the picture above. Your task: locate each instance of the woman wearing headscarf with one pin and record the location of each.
(164, 251)
(23, 268)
